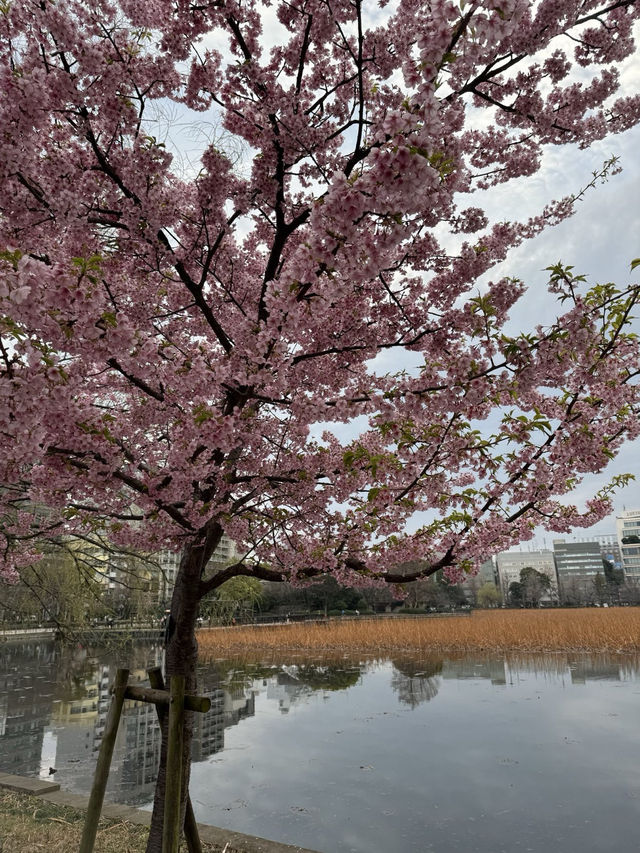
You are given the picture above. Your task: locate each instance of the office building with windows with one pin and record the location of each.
(609, 546)
(510, 563)
(577, 564)
(628, 530)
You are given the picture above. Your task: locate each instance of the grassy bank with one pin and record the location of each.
(590, 629)
(28, 823)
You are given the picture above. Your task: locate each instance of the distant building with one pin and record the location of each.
(577, 564)
(169, 563)
(486, 574)
(493, 669)
(226, 551)
(511, 563)
(628, 530)
(609, 546)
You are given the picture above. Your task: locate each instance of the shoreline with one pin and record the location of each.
(225, 839)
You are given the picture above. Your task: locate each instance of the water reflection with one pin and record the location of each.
(293, 684)
(416, 681)
(493, 669)
(53, 707)
(27, 679)
(379, 746)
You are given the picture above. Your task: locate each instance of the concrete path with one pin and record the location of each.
(51, 792)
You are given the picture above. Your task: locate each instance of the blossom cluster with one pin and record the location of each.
(170, 344)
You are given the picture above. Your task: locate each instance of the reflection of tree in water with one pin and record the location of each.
(76, 669)
(314, 675)
(319, 677)
(416, 681)
(235, 675)
(80, 665)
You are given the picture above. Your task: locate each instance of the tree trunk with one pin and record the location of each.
(181, 659)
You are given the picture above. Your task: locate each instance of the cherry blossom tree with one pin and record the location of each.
(180, 347)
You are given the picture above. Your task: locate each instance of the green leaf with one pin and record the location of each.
(635, 263)
(11, 257)
(201, 414)
(348, 458)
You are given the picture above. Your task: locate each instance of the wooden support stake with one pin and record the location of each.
(101, 775)
(190, 826)
(171, 827)
(161, 697)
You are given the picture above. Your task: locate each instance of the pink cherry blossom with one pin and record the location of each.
(172, 341)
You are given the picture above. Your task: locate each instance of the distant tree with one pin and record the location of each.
(132, 599)
(434, 592)
(515, 593)
(416, 681)
(600, 588)
(453, 591)
(418, 593)
(614, 579)
(62, 587)
(330, 595)
(378, 599)
(325, 595)
(531, 587)
(238, 595)
(279, 596)
(572, 593)
(534, 586)
(488, 595)
(323, 677)
(630, 592)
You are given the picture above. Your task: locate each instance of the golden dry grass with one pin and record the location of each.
(590, 629)
(29, 824)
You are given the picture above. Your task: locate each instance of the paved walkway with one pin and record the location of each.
(51, 792)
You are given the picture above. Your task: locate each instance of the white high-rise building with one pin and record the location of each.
(511, 563)
(628, 530)
(169, 562)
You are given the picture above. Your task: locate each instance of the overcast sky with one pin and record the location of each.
(600, 240)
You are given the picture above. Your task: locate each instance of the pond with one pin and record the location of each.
(465, 754)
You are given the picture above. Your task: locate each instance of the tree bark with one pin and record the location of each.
(181, 659)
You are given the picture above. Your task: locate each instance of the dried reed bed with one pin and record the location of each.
(590, 629)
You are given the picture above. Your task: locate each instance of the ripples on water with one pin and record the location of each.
(445, 753)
